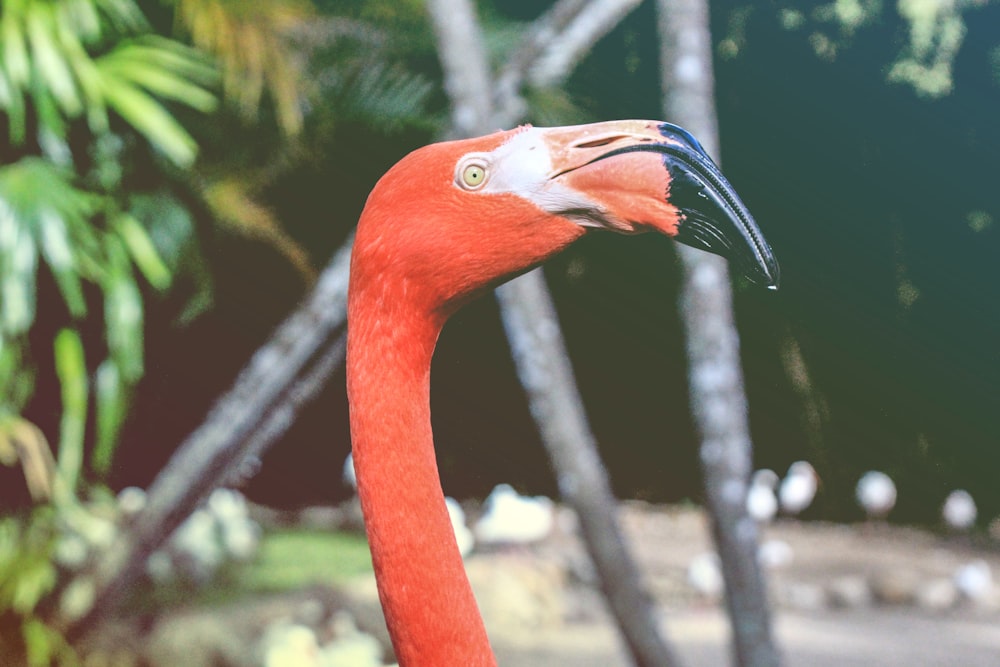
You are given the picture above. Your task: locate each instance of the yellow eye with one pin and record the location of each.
(473, 175)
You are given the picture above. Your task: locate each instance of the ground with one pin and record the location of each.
(851, 595)
(845, 595)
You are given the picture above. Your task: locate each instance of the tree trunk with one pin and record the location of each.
(546, 374)
(715, 377)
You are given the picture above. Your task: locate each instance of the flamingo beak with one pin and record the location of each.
(641, 175)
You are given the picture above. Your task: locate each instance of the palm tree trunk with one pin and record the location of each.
(715, 376)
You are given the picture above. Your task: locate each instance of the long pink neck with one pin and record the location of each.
(429, 607)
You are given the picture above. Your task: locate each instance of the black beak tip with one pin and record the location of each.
(770, 276)
(744, 247)
(713, 217)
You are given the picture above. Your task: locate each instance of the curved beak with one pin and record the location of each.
(642, 175)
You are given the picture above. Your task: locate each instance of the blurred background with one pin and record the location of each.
(861, 137)
(174, 176)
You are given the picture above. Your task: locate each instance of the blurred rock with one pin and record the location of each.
(937, 594)
(850, 592)
(518, 593)
(974, 580)
(800, 595)
(895, 586)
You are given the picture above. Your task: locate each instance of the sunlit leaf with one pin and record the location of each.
(71, 368)
(80, 18)
(38, 642)
(125, 16)
(35, 578)
(233, 205)
(21, 441)
(164, 68)
(249, 39)
(15, 49)
(123, 312)
(59, 256)
(52, 127)
(8, 448)
(111, 404)
(40, 210)
(172, 232)
(17, 382)
(89, 80)
(12, 101)
(17, 285)
(47, 59)
(150, 119)
(143, 253)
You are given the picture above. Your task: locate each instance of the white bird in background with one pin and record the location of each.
(511, 518)
(773, 554)
(974, 580)
(463, 535)
(798, 488)
(704, 573)
(348, 475)
(762, 504)
(288, 644)
(876, 493)
(959, 510)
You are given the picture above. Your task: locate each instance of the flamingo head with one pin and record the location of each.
(454, 218)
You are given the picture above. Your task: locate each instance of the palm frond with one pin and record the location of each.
(372, 89)
(250, 40)
(40, 212)
(233, 204)
(46, 49)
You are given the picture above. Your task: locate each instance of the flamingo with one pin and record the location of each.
(798, 489)
(511, 518)
(959, 510)
(762, 504)
(876, 494)
(446, 223)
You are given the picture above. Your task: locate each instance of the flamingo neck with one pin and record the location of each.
(429, 607)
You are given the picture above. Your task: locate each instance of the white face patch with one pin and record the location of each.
(523, 166)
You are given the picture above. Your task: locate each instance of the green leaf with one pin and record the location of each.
(35, 578)
(38, 643)
(165, 68)
(112, 405)
(17, 284)
(171, 229)
(51, 127)
(123, 312)
(125, 15)
(79, 18)
(12, 101)
(144, 254)
(40, 208)
(47, 59)
(58, 255)
(150, 119)
(71, 368)
(17, 378)
(15, 50)
(88, 79)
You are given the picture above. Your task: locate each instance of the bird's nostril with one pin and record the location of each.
(597, 143)
(610, 139)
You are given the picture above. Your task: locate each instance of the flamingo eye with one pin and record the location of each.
(472, 174)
